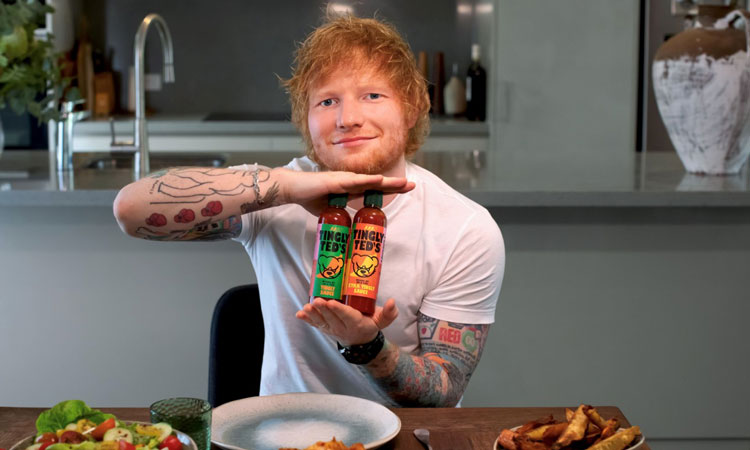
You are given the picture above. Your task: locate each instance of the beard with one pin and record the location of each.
(365, 161)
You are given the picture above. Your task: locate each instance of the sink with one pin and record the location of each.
(157, 161)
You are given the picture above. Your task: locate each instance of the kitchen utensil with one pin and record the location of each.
(423, 436)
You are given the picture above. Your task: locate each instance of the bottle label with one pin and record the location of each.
(328, 264)
(468, 89)
(365, 260)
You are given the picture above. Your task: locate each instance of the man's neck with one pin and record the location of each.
(396, 170)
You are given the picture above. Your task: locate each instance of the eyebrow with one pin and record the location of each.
(332, 92)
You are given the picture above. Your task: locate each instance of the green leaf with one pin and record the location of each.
(66, 412)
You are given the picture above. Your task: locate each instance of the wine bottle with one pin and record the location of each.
(476, 88)
(455, 95)
(438, 107)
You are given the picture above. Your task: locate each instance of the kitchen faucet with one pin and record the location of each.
(64, 129)
(139, 145)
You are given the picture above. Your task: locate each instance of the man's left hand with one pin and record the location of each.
(346, 324)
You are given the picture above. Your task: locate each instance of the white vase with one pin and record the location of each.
(701, 78)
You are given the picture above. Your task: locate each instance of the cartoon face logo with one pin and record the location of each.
(330, 267)
(364, 265)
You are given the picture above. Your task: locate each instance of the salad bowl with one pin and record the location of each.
(187, 441)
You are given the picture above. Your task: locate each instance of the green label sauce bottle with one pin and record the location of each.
(330, 249)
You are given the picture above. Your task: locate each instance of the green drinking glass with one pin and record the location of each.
(192, 416)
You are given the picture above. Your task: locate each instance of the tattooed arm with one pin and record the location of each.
(436, 376)
(439, 374)
(200, 203)
(194, 203)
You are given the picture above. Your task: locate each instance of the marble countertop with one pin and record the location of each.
(645, 180)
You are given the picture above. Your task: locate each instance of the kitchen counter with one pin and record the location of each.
(652, 180)
(220, 132)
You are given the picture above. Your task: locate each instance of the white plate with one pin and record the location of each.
(638, 443)
(187, 441)
(301, 419)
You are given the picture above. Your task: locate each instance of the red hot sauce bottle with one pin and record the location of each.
(365, 257)
(331, 241)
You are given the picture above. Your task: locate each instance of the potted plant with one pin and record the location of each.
(30, 73)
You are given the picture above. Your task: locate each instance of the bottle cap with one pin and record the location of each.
(374, 198)
(337, 200)
(475, 52)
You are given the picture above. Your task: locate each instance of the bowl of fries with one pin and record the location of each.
(582, 429)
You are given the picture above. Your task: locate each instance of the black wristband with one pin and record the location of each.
(363, 353)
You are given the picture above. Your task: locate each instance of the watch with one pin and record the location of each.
(363, 353)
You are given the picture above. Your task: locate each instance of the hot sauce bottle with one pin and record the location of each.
(365, 257)
(330, 249)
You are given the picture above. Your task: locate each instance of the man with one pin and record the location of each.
(362, 108)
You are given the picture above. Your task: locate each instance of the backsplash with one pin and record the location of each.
(230, 53)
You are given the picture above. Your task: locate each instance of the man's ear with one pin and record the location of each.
(411, 118)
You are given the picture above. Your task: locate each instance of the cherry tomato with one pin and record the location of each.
(171, 443)
(102, 428)
(46, 444)
(47, 437)
(72, 437)
(125, 445)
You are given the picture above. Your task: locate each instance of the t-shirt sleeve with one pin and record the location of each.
(469, 285)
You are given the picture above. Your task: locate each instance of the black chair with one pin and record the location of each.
(236, 351)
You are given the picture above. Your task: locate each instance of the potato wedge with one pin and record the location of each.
(594, 416)
(619, 440)
(575, 431)
(507, 439)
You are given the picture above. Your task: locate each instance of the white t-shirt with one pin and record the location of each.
(444, 256)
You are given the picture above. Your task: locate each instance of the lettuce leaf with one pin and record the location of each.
(66, 412)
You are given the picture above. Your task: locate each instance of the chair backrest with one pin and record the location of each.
(236, 352)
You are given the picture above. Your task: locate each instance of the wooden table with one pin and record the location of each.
(450, 428)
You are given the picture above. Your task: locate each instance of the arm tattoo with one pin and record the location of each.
(203, 191)
(439, 374)
(261, 176)
(203, 231)
(195, 185)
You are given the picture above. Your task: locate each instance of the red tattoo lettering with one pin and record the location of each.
(156, 220)
(449, 335)
(212, 209)
(185, 216)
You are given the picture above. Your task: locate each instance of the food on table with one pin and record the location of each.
(584, 429)
(73, 425)
(331, 445)
(575, 431)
